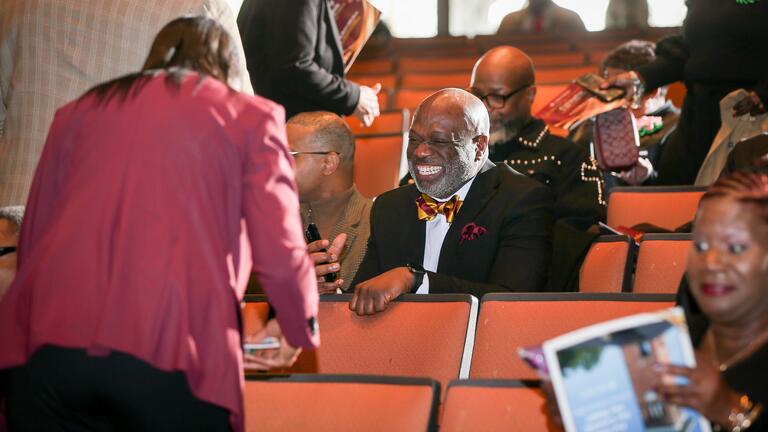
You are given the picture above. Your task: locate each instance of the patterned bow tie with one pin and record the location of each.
(428, 208)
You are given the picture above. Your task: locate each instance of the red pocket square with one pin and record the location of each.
(471, 231)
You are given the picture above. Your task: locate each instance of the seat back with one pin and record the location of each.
(511, 321)
(661, 263)
(607, 268)
(494, 405)
(378, 162)
(435, 81)
(335, 403)
(388, 123)
(418, 335)
(664, 206)
(411, 98)
(436, 64)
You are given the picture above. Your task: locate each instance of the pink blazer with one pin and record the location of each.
(143, 222)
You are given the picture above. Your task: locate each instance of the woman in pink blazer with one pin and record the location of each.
(154, 196)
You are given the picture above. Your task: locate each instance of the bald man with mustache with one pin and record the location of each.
(466, 225)
(504, 79)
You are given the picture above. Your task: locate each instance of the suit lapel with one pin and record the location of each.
(338, 50)
(482, 190)
(415, 231)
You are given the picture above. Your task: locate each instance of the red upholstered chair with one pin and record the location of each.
(510, 321)
(661, 263)
(338, 403)
(411, 98)
(434, 80)
(388, 123)
(607, 268)
(378, 161)
(664, 206)
(437, 64)
(494, 405)
(418, 335)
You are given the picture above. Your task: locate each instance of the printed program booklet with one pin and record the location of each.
(355, 20)
(604, 379)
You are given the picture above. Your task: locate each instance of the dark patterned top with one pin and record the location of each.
(557, 162)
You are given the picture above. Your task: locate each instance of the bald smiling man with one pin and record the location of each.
(466, 225)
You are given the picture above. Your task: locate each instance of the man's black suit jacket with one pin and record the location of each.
(512, 254)
(294, 55)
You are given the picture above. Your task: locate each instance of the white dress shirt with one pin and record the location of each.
(437, 228)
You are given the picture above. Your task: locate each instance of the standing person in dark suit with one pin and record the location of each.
(467, 225)
(723, 47)
(294, 55)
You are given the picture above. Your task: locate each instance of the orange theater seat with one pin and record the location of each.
(668, 207)
(435, 80)
(510, 321)
(377, 163)
(388, 123)
(607, 268)
(571, 58)
(661, 263)
(339, 403)
(418, 335)
(561, 75)
(371, 66)
(410, 98)
(387, 81)
(436, 64)
(494, 405)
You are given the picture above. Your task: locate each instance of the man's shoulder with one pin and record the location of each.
(563, 147)
(396, 197)
(512, 181)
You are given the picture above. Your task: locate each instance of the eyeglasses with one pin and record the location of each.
(294, 153)
(495, 100)
(5, 250)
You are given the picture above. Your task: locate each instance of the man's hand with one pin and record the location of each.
(262, 360)
(751, 104)
(373, 295)
(327, 262)
(626, 81)
(368, 104)
(638, 174)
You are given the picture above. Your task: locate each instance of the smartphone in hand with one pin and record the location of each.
(591, 82)
(312, 234)
(267, 343)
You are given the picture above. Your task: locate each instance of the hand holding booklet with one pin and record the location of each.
(604, 376)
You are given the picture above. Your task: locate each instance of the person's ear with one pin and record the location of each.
(331, 163)
(530, 95)
(481, 145)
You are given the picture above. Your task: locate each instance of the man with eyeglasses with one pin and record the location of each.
(323, 148)
(504, 80)
(10, 224)
(466, 225)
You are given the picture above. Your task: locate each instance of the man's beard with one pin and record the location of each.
(456, 172)
(503, 131)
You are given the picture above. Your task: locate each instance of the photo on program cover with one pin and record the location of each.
(604, 378)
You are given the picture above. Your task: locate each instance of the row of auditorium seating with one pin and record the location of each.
(334, 403)
(615, 263)
(411, 69)
(449, 336)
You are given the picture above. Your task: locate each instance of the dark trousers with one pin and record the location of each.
(61, 389)
(689, 144)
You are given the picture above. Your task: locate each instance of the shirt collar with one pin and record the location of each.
(462, 192)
